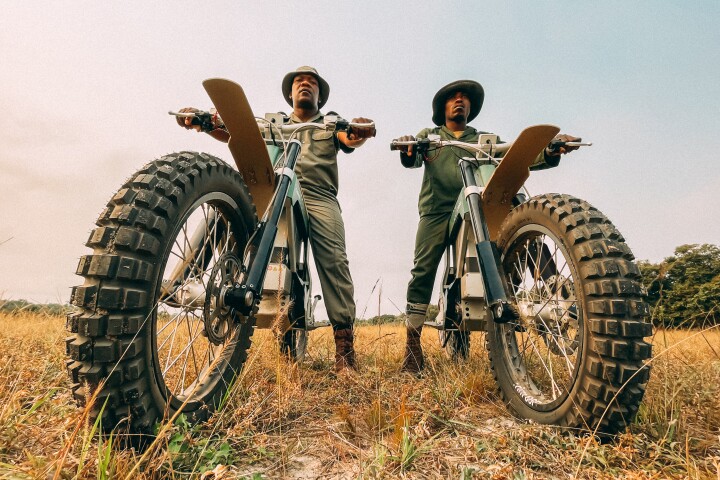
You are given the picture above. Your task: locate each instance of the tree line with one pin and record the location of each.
(683, 291)
(17, 307)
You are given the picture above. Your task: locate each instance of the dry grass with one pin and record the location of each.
(284, 421)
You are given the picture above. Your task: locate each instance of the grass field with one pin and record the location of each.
(286, 421)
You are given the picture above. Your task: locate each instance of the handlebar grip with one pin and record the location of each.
(419, 145)
(204, 119)
(351, 128)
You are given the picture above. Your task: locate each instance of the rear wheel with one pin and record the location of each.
(457, 343)
(152, 335)
(293, 343)
(576, 357)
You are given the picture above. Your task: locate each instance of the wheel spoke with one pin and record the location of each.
(544, 364)
(181, 353)
(541, 345)
(191, 351)
(169, 322)
(172, 342)
(182, 345)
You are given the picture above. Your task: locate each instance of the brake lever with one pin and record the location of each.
(201, 118)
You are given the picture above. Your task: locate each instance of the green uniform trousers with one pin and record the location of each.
(430, 242)
(327, 239)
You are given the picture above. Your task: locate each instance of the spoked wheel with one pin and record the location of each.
(153, 335)
(576, 356)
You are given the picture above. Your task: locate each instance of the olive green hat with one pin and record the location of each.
(288, 80)
(473, 90)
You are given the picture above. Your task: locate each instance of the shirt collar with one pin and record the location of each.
(295, 119)
(469, 131)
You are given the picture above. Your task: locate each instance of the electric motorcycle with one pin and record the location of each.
(550, 281)
(189, 257)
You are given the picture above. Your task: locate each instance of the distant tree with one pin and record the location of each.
(694, 264)
(432, 312)
(684, 289)
(655, 279)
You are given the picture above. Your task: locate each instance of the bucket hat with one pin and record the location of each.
(288, 80)
(473, 90)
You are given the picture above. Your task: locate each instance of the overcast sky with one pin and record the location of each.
(85, 88)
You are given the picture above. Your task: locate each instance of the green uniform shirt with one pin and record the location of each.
(317, 167)
(442, 181)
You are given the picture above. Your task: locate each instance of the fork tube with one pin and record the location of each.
(488, 255)
(244, 296)
(472, 194)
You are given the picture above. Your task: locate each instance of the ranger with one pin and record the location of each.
(307, 92)
(454, 105)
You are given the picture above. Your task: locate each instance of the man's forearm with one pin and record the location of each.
(219, 134)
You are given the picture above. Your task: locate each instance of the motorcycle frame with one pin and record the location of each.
(288, 265)
(284, 227)
(275, 259)
(463, 273)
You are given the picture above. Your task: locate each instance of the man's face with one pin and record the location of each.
(457, 107)
(305, 91)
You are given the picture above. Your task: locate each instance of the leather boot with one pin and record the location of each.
(344, 350)
(414, 361)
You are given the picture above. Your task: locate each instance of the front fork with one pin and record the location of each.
(244, 296)
(491, 269)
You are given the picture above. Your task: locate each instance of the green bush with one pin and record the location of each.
(684, 289)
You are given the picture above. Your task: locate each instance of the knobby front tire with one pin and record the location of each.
(576, 358)
(139, 336)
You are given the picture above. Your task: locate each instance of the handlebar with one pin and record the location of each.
(425, 143)
(487, 149)
(209, 121)
(331, 122)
